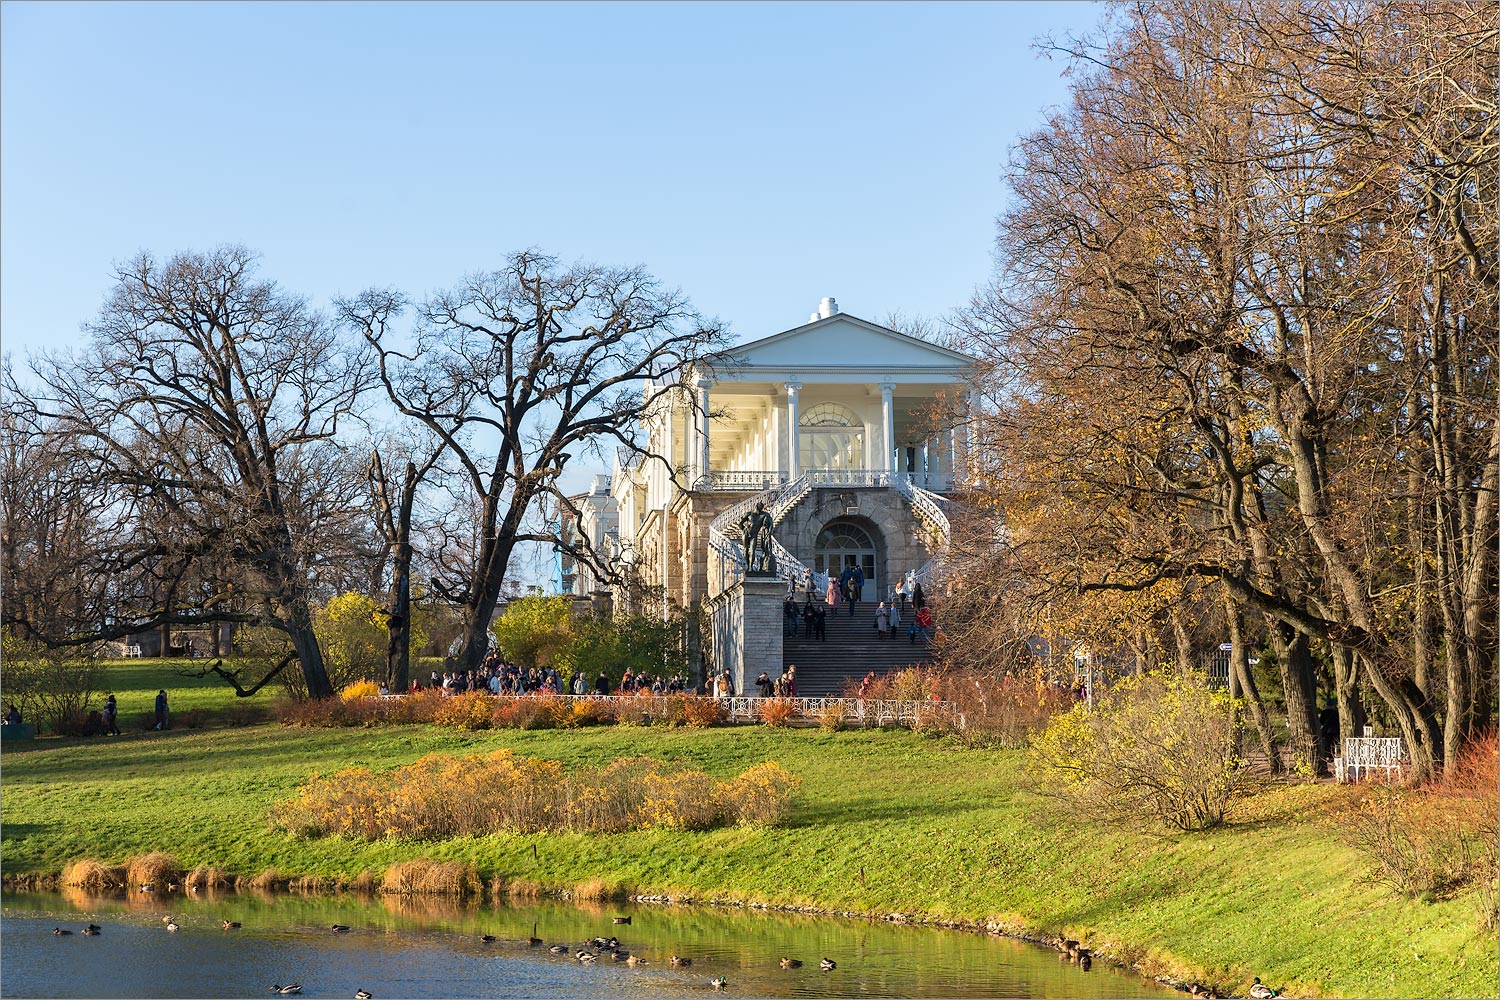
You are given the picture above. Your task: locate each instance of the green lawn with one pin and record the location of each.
(884, 822)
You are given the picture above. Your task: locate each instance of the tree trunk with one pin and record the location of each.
(1294, 656)
(398, 653)
(1239, 663)
(309, 656)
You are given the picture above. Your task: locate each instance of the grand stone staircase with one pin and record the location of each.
(853, 648)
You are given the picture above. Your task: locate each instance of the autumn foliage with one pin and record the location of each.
(443, 796)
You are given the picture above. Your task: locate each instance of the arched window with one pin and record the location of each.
(829, 415)
(831, 436)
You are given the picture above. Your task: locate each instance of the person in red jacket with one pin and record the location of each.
(923, 627)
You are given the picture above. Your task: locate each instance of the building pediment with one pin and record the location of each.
(840, 343)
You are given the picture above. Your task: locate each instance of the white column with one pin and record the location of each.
(922, 470)
(888, 418)
(794, 443)
(963, 452)
(704, 382)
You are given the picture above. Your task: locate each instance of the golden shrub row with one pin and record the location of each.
(479, 710)
(443, 796)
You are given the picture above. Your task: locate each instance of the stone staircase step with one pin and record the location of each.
(853, 648)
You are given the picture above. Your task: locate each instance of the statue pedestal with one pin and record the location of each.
(747, 630)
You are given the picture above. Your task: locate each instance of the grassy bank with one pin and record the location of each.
(885, 822)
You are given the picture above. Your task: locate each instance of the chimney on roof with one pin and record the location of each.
(827, 308)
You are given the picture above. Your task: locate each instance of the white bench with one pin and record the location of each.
(133, 651)
(1364, 755)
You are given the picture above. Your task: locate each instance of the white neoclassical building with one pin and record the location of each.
(849, 432)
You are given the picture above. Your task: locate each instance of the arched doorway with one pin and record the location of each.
(845, 542)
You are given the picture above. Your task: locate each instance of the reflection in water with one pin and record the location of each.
(412, 946)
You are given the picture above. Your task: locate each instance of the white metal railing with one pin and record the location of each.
(1365, 754)
(937, 481)
(926, 504)
(849, 477)
(740, 708)
(734, 480)
(861, 711)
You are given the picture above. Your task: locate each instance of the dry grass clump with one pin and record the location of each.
(205, 877)
(91, 874)
(595, 890)
(777, 711)
(365, 881)
(157, 868)
(425, 877)
(447, 796)
(270, 880)
(519, 888)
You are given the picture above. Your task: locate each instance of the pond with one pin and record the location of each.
(417, 947)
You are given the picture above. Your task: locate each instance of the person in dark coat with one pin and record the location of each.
(765, 684)
(602, 684)
(111, 717)
(161, 710)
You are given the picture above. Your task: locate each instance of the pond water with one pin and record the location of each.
(405, 947)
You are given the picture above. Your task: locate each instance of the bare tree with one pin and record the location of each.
(519, 371)
(211, 401)
(395, 506)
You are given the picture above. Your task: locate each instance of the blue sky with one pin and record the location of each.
(757, 156)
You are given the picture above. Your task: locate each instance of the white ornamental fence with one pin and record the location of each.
(856, 711)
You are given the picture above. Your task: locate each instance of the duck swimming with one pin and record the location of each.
(288, 989)
(230, 925)
(59, 932)
(559, 949)
(791, 963)
(172, 926)
(90, 931)
(719, 983)
(339, 928)
(828, 964)
(680, 962)
(363, 995)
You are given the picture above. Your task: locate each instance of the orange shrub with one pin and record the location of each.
(415, 707)
(702, 712)
(470, 710)
(776, 711)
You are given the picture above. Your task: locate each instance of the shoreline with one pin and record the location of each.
(52, 883)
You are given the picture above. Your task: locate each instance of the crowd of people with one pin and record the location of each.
(810, 619)
(498, 676)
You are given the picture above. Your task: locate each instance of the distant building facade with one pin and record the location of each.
(848, 432)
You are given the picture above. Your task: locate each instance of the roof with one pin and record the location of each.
(841, 342)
